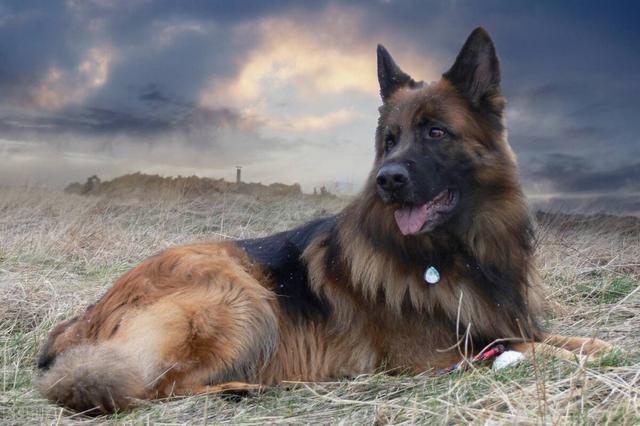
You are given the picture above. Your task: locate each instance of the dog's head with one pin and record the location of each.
(440, 147)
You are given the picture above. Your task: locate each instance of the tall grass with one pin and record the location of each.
(59, 252)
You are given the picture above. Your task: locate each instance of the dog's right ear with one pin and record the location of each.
(390, 76)
(476, 72)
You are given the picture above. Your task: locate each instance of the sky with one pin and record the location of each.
(288, 90)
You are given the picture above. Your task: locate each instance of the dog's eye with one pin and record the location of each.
(436, 133)
(389, 143)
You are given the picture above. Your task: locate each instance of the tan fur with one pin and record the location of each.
(190, 316)
(566, 348)
(95, 377)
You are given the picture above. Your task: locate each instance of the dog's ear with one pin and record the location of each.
(476, 72)
(390, 76)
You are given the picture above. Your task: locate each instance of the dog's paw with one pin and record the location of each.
(595, 347)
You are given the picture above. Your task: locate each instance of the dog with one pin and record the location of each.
(432, 262)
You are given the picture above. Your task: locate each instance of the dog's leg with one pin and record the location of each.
(539, 348)
(205, 336)
(218, 331)
(229, 387)
(582, 345)
(568, 348)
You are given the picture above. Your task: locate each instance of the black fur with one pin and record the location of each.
(476, 71)
(280, 256)
(44, 361)
(390, 76)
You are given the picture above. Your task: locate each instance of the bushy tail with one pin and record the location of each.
(93, 378)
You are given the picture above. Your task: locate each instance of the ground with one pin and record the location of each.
(60, 252)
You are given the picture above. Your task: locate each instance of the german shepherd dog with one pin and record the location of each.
(432, 262)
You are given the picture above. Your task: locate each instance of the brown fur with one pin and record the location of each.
(212, 317)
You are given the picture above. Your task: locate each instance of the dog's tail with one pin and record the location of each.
(93, 379)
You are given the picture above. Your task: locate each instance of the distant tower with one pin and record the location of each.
(238, 172)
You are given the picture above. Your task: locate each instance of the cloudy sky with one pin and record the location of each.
(288, 90)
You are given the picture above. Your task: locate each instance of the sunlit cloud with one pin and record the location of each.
(300, 123)
(166, 33)
(295, 55)
(61, 87)
(307, 64)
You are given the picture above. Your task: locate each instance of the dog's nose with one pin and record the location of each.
(392, 177)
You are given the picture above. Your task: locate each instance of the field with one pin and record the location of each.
(60, 252)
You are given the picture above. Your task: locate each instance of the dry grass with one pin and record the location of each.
(59, 252)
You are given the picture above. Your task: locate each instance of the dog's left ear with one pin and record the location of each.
(476, 72)
(390, 76)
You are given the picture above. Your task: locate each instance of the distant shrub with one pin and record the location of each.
(143, 185)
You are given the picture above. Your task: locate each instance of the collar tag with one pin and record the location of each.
(431, 275)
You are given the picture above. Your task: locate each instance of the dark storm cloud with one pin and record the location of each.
(100, 121)
(575, 174)
(105, 69)
(147, 102)
(36, 35)
(161, 114)
(578, 137)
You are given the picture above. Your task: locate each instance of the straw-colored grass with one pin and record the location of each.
(60, 252)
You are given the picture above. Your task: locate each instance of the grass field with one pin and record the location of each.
(59, 252)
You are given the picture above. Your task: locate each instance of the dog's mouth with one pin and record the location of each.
(416, 219)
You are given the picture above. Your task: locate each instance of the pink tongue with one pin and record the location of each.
(411, 219)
